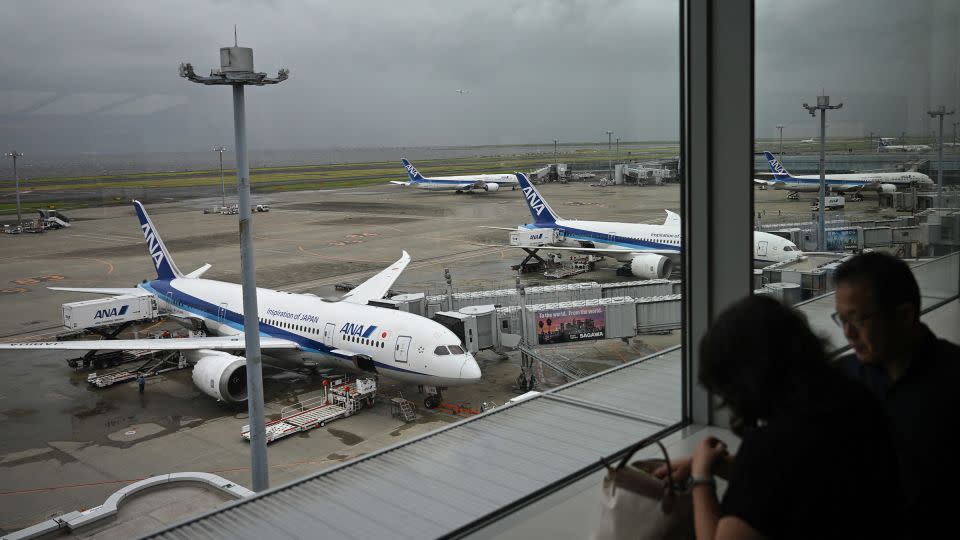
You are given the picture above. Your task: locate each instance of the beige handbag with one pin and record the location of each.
(637, 504)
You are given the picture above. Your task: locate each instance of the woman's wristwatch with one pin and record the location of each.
(698, 480)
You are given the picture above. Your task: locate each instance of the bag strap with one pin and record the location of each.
(634, 449)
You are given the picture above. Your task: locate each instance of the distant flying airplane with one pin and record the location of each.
(649, 251)
(478, 182)
(886, 182)
(343, 334)
(462, 91)
(883, 145)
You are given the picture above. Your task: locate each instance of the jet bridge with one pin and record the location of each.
(501, 329)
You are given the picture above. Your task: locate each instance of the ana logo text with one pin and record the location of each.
(778, 167)
(535, 202)
(153, 244)
(112, 312)
(412, 170)
(352, 329)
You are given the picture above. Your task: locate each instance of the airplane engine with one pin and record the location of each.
(651, 266)
(491, 186)
(220, 375)
(888, 188)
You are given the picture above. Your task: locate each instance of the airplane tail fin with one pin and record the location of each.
(166, 268)
(779, 171)
(412, 171)
(538, 206)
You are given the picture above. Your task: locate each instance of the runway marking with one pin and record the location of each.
(14, 290)
(37, 280)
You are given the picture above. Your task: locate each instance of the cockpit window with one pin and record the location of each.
(789, 248)
(455, 349)
(441, 351)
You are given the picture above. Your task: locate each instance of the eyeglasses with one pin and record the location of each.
(856, 321)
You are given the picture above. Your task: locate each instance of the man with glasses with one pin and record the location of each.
(915, 375)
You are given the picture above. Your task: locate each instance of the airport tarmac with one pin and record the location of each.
(68, 446)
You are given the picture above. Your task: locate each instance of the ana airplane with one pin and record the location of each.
(648, 251)
(883, 145)
(295, 328)
(886, 182)
(479, 182)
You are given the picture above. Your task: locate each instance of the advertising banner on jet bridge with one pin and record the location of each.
(842, 240)
(570, 324)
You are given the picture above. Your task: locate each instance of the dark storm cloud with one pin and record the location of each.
(887, 61)
(101, 76)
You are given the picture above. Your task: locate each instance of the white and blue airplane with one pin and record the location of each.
(473, 182)
(649, 251)
(886, 182)
(343, 334)
(883, 145)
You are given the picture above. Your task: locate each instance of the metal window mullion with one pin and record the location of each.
(717, 158)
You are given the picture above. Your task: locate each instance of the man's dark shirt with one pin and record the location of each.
(922, 408)
(811, 471)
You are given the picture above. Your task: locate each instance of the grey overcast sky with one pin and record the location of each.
(101, 76)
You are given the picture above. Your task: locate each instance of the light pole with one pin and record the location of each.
(16, 179)
(609, 149)
(823, 104)
(618, 150)
(236, 70)
(223, 189)
(955, 132)
(780, 127)
(941, 112)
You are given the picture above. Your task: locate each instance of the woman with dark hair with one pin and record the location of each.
(815, 459)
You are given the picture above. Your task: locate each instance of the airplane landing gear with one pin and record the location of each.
(794, 196)
(434, 396)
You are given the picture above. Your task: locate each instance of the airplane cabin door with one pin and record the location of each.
(762, 248)
(402, 349)
(222, 313)
(328, 334)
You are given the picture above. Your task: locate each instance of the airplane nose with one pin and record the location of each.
(470, 371)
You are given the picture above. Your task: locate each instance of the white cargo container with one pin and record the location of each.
(107, 311)
(534, 237)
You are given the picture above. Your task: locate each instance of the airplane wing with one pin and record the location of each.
(199, 271)
(763, 182)
(499, 228)
(673, 218)
(399, 183)
(121, 291)
(377, 286)
(228, 343)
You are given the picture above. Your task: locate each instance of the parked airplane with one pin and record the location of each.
(343, 334)
(481, 182)
(883, 145)
(886, 182)
(648, 251)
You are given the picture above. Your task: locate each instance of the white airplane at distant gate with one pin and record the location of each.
(473, 182)
(648, 250)
(886, 182)
(883, 145)
(298, 328)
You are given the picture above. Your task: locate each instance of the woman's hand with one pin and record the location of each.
(710, 453)
(680, 468)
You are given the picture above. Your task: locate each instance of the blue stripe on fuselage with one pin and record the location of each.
(186, 302)
(571, 233)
